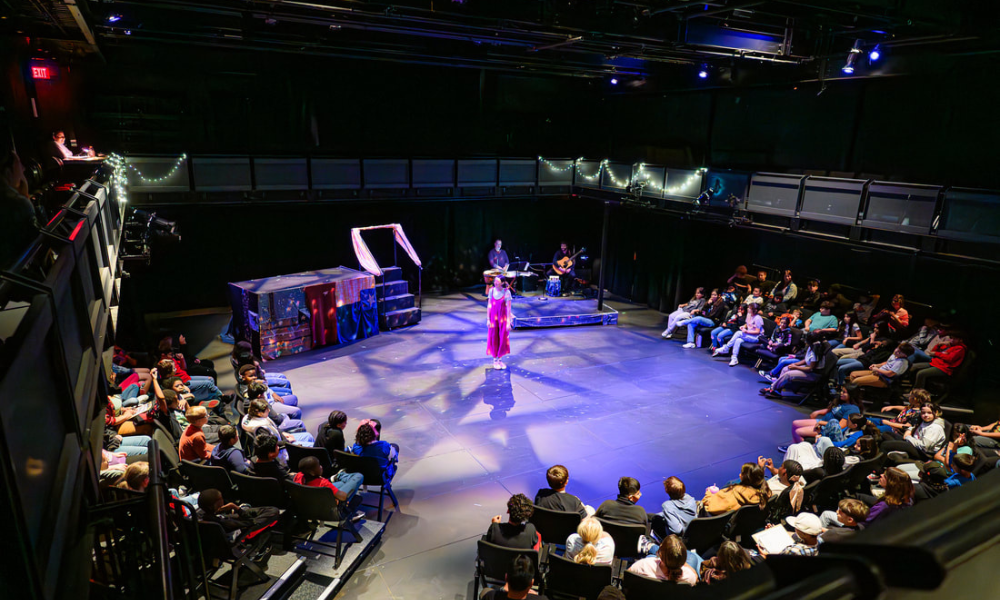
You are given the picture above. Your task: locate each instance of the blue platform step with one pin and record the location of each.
(400, 318)
(394, 288)
(392, 274)
(398, 302)
(396, 305)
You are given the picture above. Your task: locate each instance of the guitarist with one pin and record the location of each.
(567, 274)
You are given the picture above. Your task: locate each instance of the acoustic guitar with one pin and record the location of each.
(565, 264)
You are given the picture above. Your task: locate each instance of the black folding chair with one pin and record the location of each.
(216, 548)
(568, 578)
(830, 490)
(705, 532)
(858, 483)
(259, 491)
(747, 521)
(297, 453)
(315, 505)
(202, 477)
(493, 562)
(555, 525)
(626, 537)
(637, 587)
(372, 472)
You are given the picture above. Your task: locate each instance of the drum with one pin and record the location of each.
(508, 276)
(554, 286)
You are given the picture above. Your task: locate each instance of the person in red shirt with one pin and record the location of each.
(945, 359)
(193, 446)
(344, 486)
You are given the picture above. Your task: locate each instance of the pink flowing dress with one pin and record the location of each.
(498, 339)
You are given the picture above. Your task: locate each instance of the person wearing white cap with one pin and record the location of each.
(807, 529)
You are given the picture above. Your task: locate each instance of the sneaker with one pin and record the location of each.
(716, 352)
(142, 398)
(874, 477)
(765, 391)
(898, 455)
(764, 373)
(689, 345)
(644, 545)
(734, 361)
(357, 516)
(783, 449)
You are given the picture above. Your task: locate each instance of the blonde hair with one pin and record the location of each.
(135, 475)
(590, 531)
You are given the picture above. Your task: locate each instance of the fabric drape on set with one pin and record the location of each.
(368, 262)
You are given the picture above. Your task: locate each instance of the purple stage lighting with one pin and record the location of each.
(113, 18)
(614, 81)
(703, 74)
(874, 54)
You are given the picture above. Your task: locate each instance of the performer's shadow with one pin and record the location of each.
(497, 392)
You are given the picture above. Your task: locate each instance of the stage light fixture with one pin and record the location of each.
(874, 55)
(614, 81)
(703, 74)
(852, 57)
(114, 18)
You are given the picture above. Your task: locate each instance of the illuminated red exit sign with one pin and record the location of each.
(41, 72)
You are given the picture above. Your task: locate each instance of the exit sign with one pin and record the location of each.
(40, 72)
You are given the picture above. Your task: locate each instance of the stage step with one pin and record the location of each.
(392, 274)
(394, 288)
(400, 318)
(394, 303)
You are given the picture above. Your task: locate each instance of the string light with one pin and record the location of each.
(640, 175)
(119, 176)
(177, 165)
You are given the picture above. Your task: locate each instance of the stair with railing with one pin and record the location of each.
(396, 305)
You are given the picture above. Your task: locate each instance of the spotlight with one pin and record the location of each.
(874, 54)
(703, 74)
(849, 69)
(114, 18)
(614, 81)
(852, 57)
(128, 32)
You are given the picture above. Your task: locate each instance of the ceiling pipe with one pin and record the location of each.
(719, 11)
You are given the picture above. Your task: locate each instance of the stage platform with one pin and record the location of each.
(546, 311)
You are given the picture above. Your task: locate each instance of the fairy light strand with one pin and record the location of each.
(639, 176)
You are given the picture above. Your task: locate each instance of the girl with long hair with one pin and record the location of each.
(499, 322)
(844, 404)
(898, 495)
(367, 443)
(669, 564)
(135, 478)
(751, 489)
(590, 545)
(731, 558)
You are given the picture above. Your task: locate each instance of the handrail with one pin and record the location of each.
(157, 492)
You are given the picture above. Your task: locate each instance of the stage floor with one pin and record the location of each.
(604, 401)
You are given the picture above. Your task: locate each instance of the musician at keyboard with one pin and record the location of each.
(497, 257)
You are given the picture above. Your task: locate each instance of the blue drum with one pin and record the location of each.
(553, 287)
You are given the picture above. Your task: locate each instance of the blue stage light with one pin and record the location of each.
(849, 69)
(614, 81)
(114, 18)
(703, 74)
(874, 54)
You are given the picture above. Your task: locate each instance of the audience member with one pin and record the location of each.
(367, 443)
(266, 462)
(740, 280)
(731, 558)
(810, 298)
(344, 485)
(823, 323)
(754, 297)
(751, 489)
(848, 332)
(895, 316)
(520, 577)
(786, 288)
(257, 418)
(843, 405)
(135, 477)
(762, 283)
(803, 370)
(226, 454)
(921, 442)
(907, 416)
(882, 375)
(843, 523)
(669, 564)
(517, 532)
(710, 315)
(807, 528)
(731, 325)
(193, 446)
(676, 512)
(232, 517)
(623, 509)
(898, 495)
(963, 465)
(945, 359)
(555, 497)
(932, 478)
(590, 545)
(19, 226)
(750, 332)
(789, 473)
(331, 433)
(684, 311)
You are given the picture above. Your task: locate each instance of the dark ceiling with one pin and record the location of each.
(590, 38)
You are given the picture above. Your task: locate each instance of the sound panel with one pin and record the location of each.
(616, 175)
(222, 174)
(477, 173)
(152, 169)
(336, 174)
(391, 173)
(774, 193)
(556, 172)
(683, 185)
(832, 200)
(518, 172)
(970, 215)
(281, 173)
(901, 207)
(433, 173)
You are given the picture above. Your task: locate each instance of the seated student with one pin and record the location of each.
(684, 311)
(740, 280)
(785, 288)
(963, 465)
(986, 436)
(882, 375)
(623, 509)
(183, 358)
(226, 454)
(754, 297)
(731, 296)
(824, 322)
(590, 545)
(676, 512)
(844, 404)
(763, 284)
(710, 315)
(895, 317)
(731, 558)
(807, 528)
(344, 485)
(960, 443)
(751, 489)
(367, 443)
(555, 497)
(921, 442)
(251, 373)
(243, 355)
(844, 437)
(232, 517)
(945, 359)
(878, 352)
(930, 335)
(898, 495)
(788, 474)
(731, 325)
(848, 332)
(789, 500)
(932, 479)
(517, 532)
(843, 523)
(806, 369)
(833, 462)
(202, 387)
(781, 338)
(192, 445)
(750, 332)
(907, 416)
(266, 462)
(279, 404)
(774, 307)
(290, 430)
(135, 477)
(810, 299)
(520, 577)
(331, 433)
(121, 422)
(669, 564)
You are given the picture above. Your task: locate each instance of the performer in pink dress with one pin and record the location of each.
(498, 320)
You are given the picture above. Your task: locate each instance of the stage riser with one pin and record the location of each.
(400, 318)
(565, 321)
(394, 303)
(394, 288)
(392, 274)
(540, 311)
